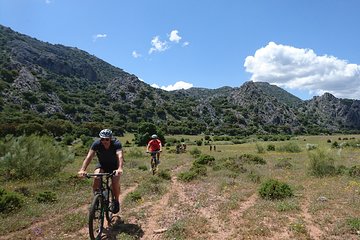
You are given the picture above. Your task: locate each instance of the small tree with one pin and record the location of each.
(32, 156)
(144, 133)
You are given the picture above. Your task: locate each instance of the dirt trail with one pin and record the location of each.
(32, 230)
(314, 231)
(84, 231)
(151, 228)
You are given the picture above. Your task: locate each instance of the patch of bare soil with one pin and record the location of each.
(314, 231)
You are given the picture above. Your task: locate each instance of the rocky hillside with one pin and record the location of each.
(44, 86)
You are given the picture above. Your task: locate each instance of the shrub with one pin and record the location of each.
(354, 171)
(271, 147)
(33, 156)
(143, 167)
(254, 177)
(46, 197)
(135, 196)
(342, 170)
(354, 224)
(187, 176)
(204, 159)
(164, 174)
(273, 189)
(283, 163)
(260, 148)
(200, 170)
(289, 147)
(252, 159)
(310, 146)
(86, 140)
(321, 164)
(68, 139)
(231, 163)
(10, 201)
(195, 152)
(335, 145)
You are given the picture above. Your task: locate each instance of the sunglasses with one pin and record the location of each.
(105, 139)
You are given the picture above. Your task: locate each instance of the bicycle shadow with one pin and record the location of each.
(118, 226)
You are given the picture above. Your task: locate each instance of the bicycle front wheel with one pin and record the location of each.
(96, 218)
(153, 165)
(108, 213)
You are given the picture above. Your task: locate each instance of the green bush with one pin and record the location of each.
(187, 176)
(164, 174)
(204, 159)
(86, 141)
(271, 147)
(249, 158)
(283, 163)
(135, 196)
(354, 171)
(195, 152)
(354, 224)
(10, 201)
(289, 147)
(32, 157)
(259, 148)
(68, 139)
(46, 197)
(321, 164)
(274, 189)
(143, 167)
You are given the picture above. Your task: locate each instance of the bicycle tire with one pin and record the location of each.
(153, 165)
(96, 217)
(108, 213)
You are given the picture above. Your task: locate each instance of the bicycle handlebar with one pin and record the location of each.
(153, 151)
(89, 175)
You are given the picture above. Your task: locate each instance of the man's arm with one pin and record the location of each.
(86, 162)
(160, 146)
(120, 158)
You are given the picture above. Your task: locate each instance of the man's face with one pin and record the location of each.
(105, 142)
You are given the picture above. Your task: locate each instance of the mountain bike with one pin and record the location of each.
(100, 206)
(154, 161)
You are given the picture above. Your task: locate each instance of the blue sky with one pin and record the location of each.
(307, 47)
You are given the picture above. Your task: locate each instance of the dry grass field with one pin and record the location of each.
(218, 200)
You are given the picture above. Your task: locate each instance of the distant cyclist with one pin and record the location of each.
(154, 145)
(110, 156)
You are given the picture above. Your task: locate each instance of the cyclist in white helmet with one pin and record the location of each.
(154, 145)
(110, 158)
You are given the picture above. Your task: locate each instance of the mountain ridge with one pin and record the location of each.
(41, 80)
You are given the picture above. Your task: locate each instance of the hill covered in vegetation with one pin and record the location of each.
(56, 89)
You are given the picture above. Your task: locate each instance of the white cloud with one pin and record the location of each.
(185, 44)
(136, 54)
(176, 86)
(158, 45)
(297, 68)
(97, 36)
(174, 36)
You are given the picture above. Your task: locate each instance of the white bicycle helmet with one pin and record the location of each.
(154, 136)
(105, 133)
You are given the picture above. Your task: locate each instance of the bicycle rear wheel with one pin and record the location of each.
(96, 218)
